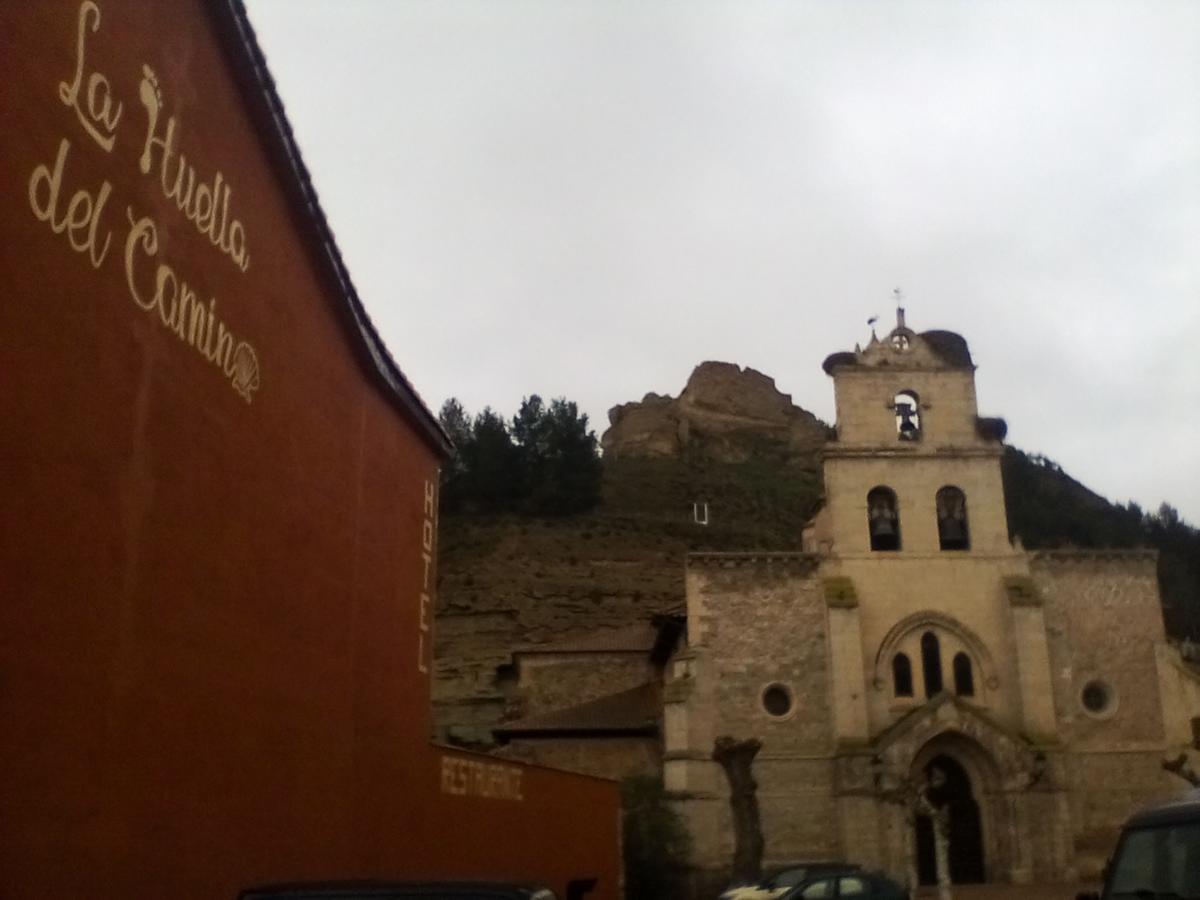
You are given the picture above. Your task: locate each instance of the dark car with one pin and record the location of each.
(1157, 855)
(852, 885)
(397, 890)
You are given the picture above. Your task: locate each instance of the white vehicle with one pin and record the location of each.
(776, 885)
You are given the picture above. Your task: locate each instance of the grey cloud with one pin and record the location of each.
(589, 198)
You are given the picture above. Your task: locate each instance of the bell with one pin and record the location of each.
(882, 526)
(952, 530)
(908, 430)
(952, 534)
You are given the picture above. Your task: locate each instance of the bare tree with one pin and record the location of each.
(1180, 766)
(735, 758)
(916, 800)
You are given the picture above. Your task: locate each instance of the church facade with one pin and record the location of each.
(910, 641)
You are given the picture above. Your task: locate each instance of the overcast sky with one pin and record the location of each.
(588, 199)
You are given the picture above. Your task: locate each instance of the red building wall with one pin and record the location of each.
(216, 511)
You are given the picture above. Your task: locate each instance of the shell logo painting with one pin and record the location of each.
(218, 541)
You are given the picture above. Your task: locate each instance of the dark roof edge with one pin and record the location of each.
(650, 728)
(236, 22)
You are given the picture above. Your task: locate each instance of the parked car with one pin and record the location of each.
(385, 890)
(1157, 855)
(852, 885)
(777, 884)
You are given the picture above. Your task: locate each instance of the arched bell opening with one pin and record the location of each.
(908, 415)
(953, 532)
(883, 519)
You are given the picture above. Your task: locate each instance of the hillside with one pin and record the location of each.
(1047, 508)
(730, 440)
(508, 581)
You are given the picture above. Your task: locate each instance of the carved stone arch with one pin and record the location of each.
(980, 753)
(1003, 760)
(926, 619)
(999, 763)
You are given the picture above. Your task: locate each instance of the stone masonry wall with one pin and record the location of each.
(753, 622)
(1104, 621)
(947, 405)
(763, 621)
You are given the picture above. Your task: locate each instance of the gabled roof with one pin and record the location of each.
(635, 711)
(250, 68)
(656, 638)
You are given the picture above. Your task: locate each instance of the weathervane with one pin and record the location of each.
(900, 340)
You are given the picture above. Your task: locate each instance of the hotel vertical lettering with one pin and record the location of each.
(424, 608)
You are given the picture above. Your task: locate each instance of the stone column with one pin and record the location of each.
(1033, 659)
(861, 832)
(688, 769)
(1021, 826)
(850, 725)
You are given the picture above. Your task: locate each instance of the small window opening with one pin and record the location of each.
(777, 700)
(952, 519)
(700, 513)
(908, 416)
(1097, 697)
(902, 675)
(931, 663)
(883, 520)
(964, 678)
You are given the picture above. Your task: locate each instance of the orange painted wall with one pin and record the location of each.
(210, 623)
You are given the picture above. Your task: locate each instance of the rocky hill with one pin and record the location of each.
(730, 440)
(725, 413)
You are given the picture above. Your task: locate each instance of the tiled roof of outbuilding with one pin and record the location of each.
(633, 711)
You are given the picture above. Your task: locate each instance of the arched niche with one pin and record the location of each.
(919, 623)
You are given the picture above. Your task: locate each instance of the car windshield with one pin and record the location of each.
(1161, 863)
(787, 878)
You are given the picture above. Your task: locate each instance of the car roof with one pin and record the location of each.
(1172, 812)
(381, 888)
(848, 870)
(820, 865)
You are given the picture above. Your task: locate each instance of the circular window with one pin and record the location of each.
(777, 700)
(1097, 697)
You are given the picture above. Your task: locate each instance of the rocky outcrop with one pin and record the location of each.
(725, 413)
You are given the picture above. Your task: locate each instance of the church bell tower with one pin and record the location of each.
(914, 470)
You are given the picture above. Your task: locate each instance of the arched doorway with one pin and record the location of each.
(952, 789)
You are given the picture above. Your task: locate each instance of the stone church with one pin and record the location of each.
(909, 638)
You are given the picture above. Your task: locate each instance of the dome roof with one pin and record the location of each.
(951, 347)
